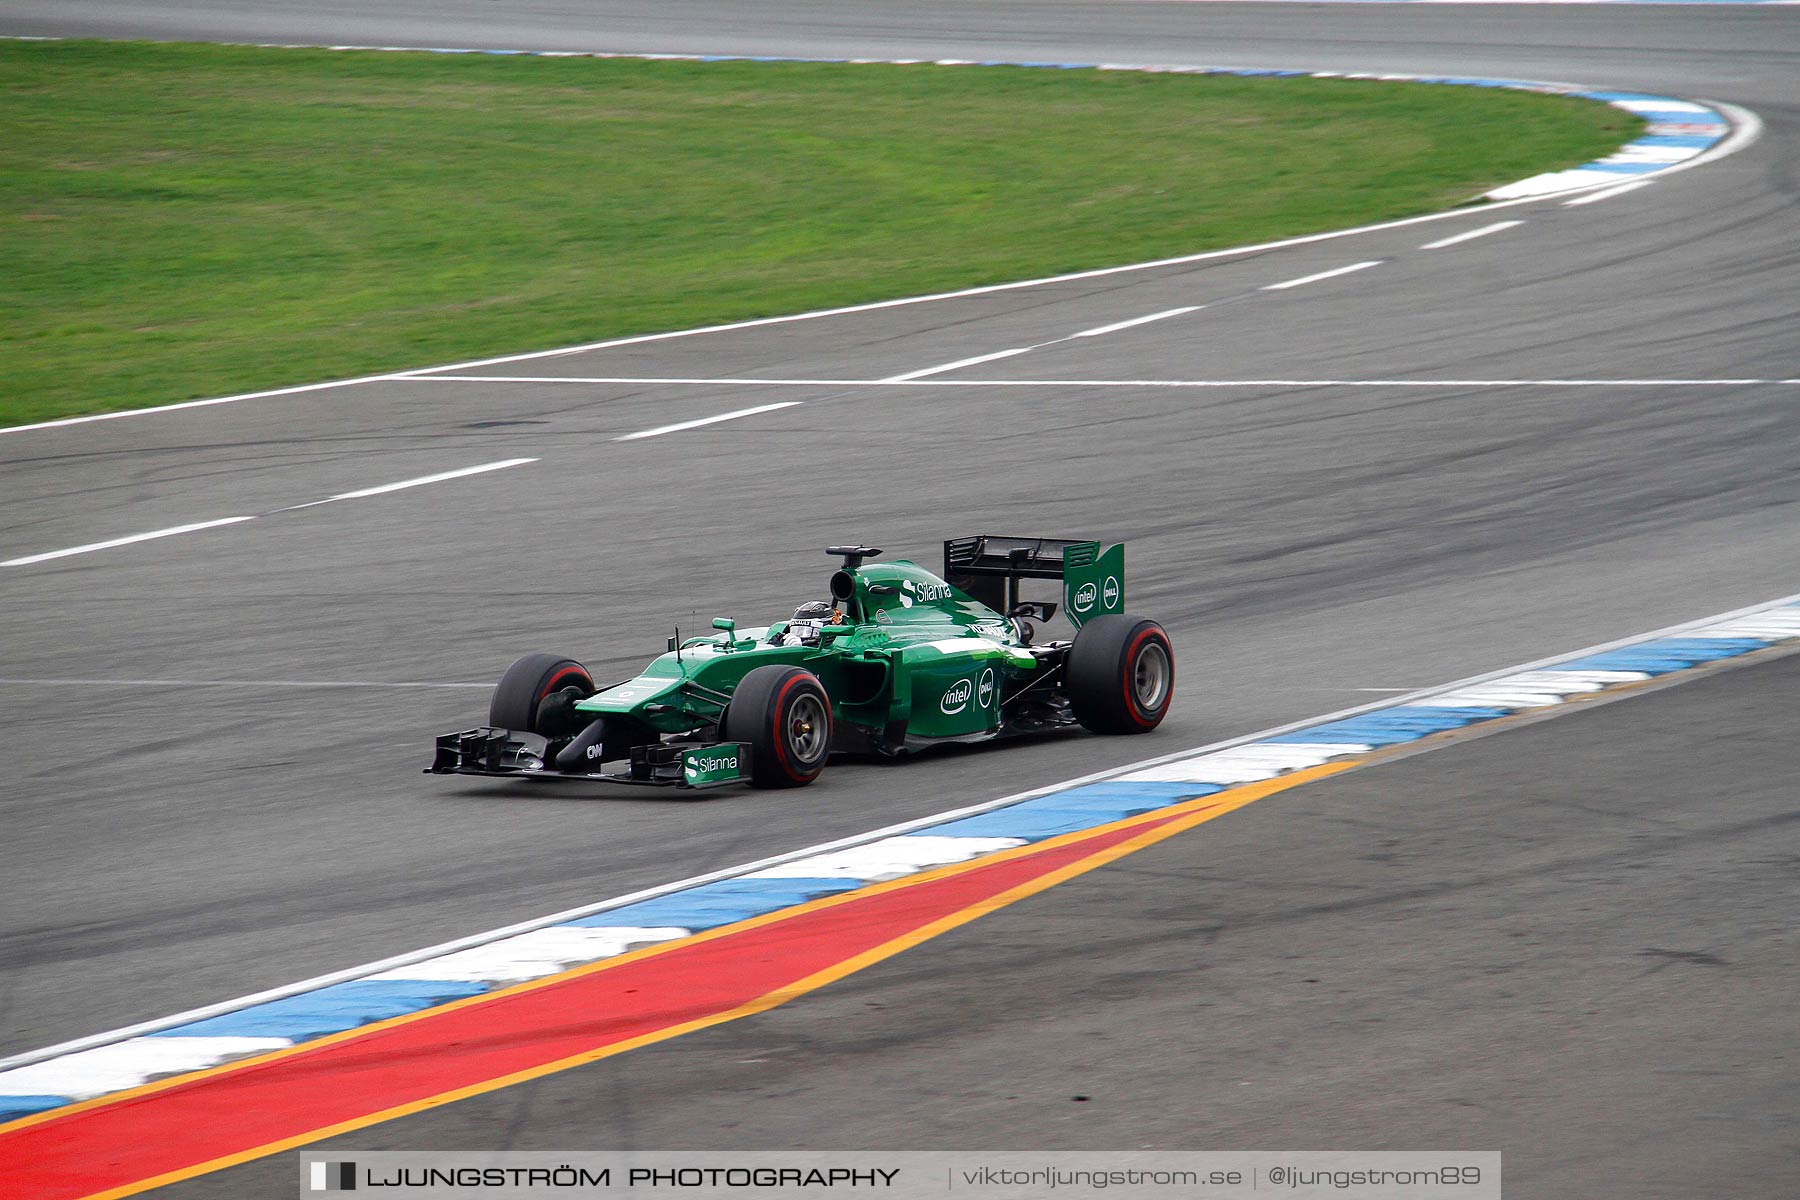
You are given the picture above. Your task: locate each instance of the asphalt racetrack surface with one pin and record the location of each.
(1567, 940)
(184, 825)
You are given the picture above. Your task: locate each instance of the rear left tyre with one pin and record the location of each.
(1120, 674)
(784, 715)
(537, 694)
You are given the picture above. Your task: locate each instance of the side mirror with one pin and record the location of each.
(725, 623)
(826, 631)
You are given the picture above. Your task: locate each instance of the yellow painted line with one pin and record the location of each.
(1168, 822)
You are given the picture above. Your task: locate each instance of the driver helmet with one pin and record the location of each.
(808, 619)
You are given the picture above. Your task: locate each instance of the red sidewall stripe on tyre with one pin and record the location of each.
(1130, 677)
(578, 672)
(781, 754)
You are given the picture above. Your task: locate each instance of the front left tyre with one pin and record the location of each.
(537, 694)
(784, 715)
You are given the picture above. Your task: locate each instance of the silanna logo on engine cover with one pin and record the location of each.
(926, 592)
(957, 698)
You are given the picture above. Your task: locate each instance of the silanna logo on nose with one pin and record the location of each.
(710, 763)
(957, 698)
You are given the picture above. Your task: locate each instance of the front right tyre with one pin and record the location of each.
(784, 716)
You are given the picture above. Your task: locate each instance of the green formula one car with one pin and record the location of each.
(897, 660)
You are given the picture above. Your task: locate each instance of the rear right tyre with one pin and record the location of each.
(1120, 674)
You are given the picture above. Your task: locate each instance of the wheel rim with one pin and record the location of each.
(1150, 677)
(808, 728)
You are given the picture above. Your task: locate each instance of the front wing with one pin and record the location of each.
(509, 753)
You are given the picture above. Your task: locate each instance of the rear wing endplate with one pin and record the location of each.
(988, 567)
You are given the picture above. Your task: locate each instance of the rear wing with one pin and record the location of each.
(988, 567)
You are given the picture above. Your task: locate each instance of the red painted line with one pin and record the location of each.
(232, 1114)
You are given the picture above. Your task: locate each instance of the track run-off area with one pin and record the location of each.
(1347, 469)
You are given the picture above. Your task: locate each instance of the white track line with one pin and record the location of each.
(1593, 197)
(978, 359)
(378, 490)
(123, 541)
(62, 422)
(14, 681)
(1331, 274)
(588, 910)
(681, 425)
(383, 489)
(961, 362)
(700, 381)
(1135, 321)
(1470, 235)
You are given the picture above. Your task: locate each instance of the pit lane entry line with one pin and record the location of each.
(178, 1128)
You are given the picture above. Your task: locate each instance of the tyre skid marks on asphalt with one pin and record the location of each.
(38, 1088)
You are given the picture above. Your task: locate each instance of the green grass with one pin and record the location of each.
(180, 221)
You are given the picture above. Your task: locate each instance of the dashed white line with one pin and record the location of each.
(1118, 325)
(1593, 197)
(961, 362)
(383, 489)
(13, 681)
(1331, 274)
(379, 489)
(1470, 235)
(124, 541)
(681, 425)
(62, 422)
